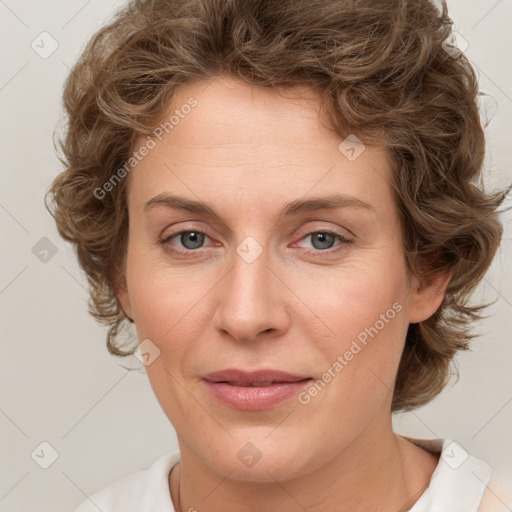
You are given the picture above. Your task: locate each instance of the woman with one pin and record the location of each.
(280, 196)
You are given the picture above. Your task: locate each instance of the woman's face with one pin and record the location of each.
(258, 282)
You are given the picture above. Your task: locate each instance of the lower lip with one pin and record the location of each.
(254, 397)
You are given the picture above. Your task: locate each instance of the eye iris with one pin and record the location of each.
(197, 239)
(321, 237)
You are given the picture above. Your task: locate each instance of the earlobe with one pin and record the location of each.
(427, 295)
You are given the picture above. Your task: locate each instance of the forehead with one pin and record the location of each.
(236, 119)
(226, 141)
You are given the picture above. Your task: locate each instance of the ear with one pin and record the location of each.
(427, 295)
(124, 297)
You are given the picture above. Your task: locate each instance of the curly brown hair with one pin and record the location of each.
(383, 67)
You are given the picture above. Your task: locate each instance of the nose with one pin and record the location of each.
(252, 300)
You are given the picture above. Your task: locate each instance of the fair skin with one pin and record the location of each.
(246, 151)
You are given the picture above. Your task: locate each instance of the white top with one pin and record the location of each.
(457, 484)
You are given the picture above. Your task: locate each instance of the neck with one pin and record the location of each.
(377, 471)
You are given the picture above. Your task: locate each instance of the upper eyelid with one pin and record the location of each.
(330, 217)
(308, 232)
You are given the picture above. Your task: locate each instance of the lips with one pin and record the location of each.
(253, 390)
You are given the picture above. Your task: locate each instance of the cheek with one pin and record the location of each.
(169, 316)
(360, 329)
(347, 304)
(161, 300)
(169, 312)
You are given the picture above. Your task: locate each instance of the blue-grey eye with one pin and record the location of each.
(195, 238)
(325, 240)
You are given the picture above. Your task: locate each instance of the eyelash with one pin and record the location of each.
(343, 242)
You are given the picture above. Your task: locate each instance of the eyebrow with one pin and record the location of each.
(296, 207)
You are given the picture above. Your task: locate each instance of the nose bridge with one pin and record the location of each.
(248, 301)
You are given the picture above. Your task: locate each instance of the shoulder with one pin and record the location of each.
(497, 496)
(459, 482)
(146, 489)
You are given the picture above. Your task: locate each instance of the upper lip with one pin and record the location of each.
(249, 377)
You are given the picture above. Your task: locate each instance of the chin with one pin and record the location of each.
(261, 460)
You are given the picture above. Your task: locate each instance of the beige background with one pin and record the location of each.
(59, 385)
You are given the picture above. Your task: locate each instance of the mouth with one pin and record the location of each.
(254, 384)
(238, 377)
(254, 390)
